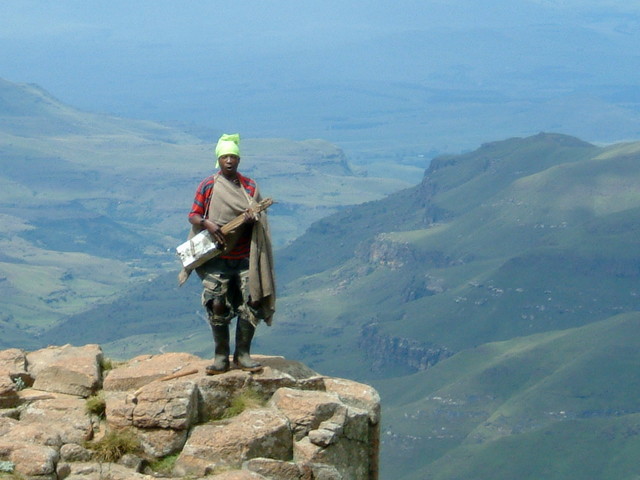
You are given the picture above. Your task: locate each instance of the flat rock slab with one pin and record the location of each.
(144, 369)
(254, 433)
(96, 471)
(67, 369)
(56, 412)
(306, 410)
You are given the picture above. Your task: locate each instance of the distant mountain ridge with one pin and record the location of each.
(92, 205)
(509, 208)
(494, 305)
(497, 255)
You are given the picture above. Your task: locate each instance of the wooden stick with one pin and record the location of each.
(178, 375)
(239, 220)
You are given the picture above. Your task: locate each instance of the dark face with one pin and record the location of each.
(229, 165)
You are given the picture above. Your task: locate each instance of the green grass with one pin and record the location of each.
(507, 393)
(605, 449)
(246, 399)
(165, 464)
(114, 445)
(534, 245)
(96, 405)
(528, 303)
(96, 226)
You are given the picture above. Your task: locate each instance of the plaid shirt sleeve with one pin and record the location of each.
(248, 184)
(201, 199)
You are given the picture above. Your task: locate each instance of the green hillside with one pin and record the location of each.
(482, 251)
(559, 405)
(531, 243)
(92, 206)
(494, 305)
(486, 304)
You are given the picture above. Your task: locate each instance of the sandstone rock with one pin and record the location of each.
(356, 394)
(67, 369)
(327, 472)
(97, 471)
(279, 373)
(172, 404)
(13, 369)
(356, 425)
(254, 433)
(35, 460)
(13, 413)
(8, 391)
(296, 370)
(323, 437)
(366, 398)
(13, 376)
(132, 462)
(160, 442)
(144, 369)
(306, 410)
(342, 440)
(64, 414)
(35, 433)
(349, 458)
(216, 392)
(119, 409)
(63, 470)
(13, 363)
(6, 425)
(278, 469)
(312, 427)
(237, 475)
(72, 452)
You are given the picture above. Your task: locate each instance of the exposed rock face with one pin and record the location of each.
(384, 350)
(296, 424)
(387, 251)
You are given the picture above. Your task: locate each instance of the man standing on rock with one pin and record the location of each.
(240, 281)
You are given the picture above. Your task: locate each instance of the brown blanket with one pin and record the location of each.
(229, 200)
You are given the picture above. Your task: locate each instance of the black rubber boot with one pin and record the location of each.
(242, 355)
(221, 359)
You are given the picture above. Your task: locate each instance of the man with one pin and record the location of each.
(240, 281)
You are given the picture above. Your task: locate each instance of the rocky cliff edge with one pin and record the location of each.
(67, 413)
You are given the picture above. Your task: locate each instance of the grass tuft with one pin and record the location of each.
(165, 464)
(106, 364)
(114, 445)
(244, 400)
(96, 405)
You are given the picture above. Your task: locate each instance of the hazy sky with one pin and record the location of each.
(348, 71)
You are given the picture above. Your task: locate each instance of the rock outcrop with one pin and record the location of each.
(66, 414)
(384, 350)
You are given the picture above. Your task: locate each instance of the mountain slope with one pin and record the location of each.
(91, 205)
(529, 242)
(556, 405)
(494, 305)
(518, 237)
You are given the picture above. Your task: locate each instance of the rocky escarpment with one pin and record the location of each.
(62, 410)
(385, 350)
(384, 250)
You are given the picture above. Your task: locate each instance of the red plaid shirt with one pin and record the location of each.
(201, 200)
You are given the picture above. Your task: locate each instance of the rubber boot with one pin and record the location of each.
(221, 360)
(242, 355)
